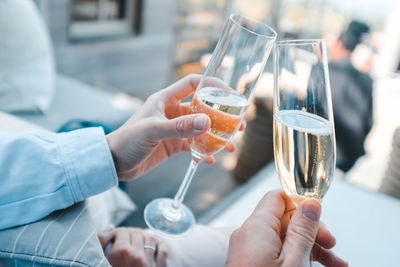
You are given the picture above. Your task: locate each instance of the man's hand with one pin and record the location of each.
(133, 247)
(158, 130)
(278, 234)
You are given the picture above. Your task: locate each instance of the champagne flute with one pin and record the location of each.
(304, 136)
(223, 93)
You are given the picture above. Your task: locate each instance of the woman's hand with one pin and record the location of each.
(277, 234)
(133, 247)
(159, 130)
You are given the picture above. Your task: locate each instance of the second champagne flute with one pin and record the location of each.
(304, 135)
(224, 93)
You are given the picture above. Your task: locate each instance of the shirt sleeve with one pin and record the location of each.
(42, 172)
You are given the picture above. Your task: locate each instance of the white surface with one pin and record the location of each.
(365, 224)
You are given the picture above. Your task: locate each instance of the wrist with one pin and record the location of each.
(112, 145)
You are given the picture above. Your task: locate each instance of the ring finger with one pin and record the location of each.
(150, 246)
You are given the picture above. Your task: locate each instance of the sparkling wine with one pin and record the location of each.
(225, 109)
(304, 153)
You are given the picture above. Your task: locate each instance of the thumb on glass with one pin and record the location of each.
(302, 231)
(183, 127)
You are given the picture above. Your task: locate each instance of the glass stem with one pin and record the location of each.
(180, 195)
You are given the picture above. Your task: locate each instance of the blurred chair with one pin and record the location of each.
(31, 89)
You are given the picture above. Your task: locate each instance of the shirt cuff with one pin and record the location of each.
(88, 163)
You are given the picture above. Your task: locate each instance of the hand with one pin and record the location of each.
(158, 131)
(278, 234)
(128, 248)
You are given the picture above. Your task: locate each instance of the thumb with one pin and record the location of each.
(301, 233)
(184, 126)
(106, 236)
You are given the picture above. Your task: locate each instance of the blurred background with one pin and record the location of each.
(126, 50)
(164, 40)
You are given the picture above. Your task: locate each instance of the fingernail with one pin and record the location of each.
(311, 209)
(200, 122)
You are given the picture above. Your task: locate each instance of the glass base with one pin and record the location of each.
(163, 218)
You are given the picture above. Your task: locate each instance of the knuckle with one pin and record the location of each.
(122, 230)
(274, 223)
(181, 126)
(163, 252)
(136, 231)
(302, 232)
(273, 194)
(193, 79)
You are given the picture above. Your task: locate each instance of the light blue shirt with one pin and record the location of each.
(41, 172)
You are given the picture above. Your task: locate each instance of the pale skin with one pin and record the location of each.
(128, 247)
(277, 234)
(159, 130)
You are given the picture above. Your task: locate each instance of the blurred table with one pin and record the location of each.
(365, 223)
